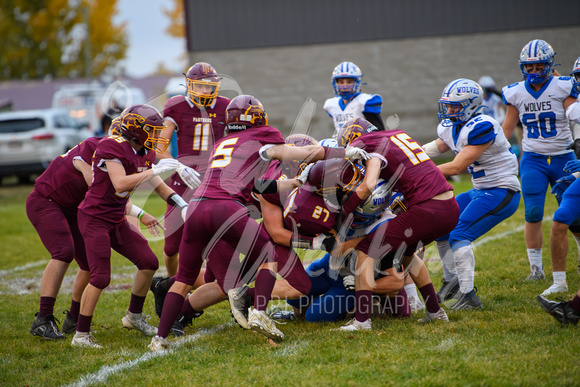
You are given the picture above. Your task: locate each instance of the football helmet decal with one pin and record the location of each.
(575, 74)
(347, 70)
(334, 176)
(245, 111)
(537, 51)
(143, 125)
(115, 128)
(203, 84)
(353, 129)
(460, 100)
(372, 208)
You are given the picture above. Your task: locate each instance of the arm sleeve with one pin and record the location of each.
(375, 119)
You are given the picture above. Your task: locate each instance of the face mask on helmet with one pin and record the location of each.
(244, 112)
(346, 70)
(203, 84)
(460, 100)
(334, 178)
(143, 125)
(534, 53)
(575, 74)
(372, 208)
(353, 129)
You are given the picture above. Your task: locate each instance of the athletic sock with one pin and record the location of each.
(364, 302)
(430, 297)
(465, 263)
(75, 308)
(265, 281)
(535, 258)
(447, 260)
(559, 277)
(46, 306)
(136, 304)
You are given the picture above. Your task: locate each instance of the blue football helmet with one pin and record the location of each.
(575, 74)
(347, 70)
(460, 100)
(537, 51)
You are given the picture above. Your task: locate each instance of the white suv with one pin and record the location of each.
(31, 139)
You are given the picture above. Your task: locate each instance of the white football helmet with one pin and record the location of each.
(460, 100)
(347, 70)
(537, 51)
(372, 208)
(575, 74)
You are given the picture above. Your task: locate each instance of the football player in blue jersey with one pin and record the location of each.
(481, 147)
(349, 102)
(540, 102)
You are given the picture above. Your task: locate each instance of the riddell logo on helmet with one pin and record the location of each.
(237, 127)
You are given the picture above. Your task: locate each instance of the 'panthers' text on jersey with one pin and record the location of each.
(62, 182)
(102, 200)
(197, 129)
(408, 169)
(497, 166)
(235, 164)
(542, 114)
(362, 103)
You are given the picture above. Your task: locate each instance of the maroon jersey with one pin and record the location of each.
(309, 213)
(102, 201)
(198, 129)
(235, 164)
(62, 182)
(415, 175)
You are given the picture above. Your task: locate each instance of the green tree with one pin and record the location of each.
(42, 38)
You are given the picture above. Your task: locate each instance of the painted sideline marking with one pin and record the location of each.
(105, 372)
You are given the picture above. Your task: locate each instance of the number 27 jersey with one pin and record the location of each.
(542, 114)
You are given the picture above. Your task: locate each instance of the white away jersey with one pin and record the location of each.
(497, 166)
(362, 103)
(542, 114)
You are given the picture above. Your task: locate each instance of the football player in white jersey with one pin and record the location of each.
(540, 102)
(493, 105)
(349, 102)
(481, 147)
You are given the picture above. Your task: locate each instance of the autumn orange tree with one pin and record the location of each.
(41, 38)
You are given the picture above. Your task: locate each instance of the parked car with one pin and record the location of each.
(31, 139)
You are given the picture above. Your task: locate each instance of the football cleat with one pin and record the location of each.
(355, 325)
(137, 321)
(449, 290)
(70, 324)
(85, 339)
(467, 301)
(46, 328)
(430, 317)
(561, 311)
(158, 344)
(555, 288)
(240, 303)
(159, 287)
(182, 322)
(536, 274)
(259, 321)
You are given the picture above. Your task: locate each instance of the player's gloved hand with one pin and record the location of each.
(165, 165)
(304, 175)
(562, 184)
(354, 153)
(348, 282)
(189, 176)
(184, 213)
(324, 242)
(576, 147)
(572, 166)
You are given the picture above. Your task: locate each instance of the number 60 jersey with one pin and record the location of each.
(542, 114)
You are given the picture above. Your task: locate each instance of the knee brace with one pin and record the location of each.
(534, 215)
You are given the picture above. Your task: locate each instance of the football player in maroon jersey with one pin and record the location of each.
(432, 211)
(120, 163)
(198, 119)
(235, 166)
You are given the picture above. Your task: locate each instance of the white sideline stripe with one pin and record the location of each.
(105, 372)
(24, 267)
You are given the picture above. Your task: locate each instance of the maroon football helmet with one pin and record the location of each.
(143, 124)
(353, 129)
(204, 76)
(334, 176)
(115, 128)
(245, 111)
(294, 167)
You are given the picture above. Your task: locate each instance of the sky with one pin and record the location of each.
(149, 44)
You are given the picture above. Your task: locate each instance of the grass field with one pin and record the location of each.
(511, 341)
